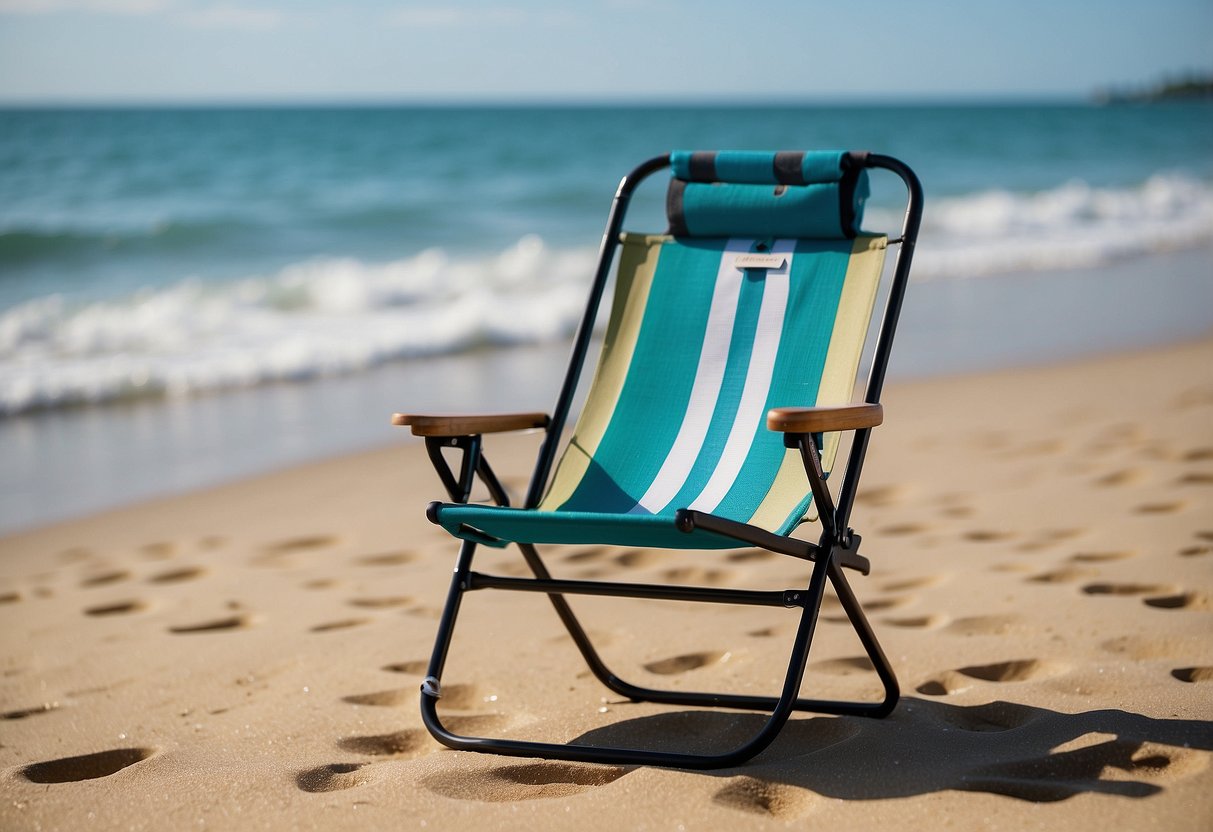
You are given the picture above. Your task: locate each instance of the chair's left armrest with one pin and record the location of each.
(825, 419)
(468, 425)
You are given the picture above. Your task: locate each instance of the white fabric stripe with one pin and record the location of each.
(752, 407)
(713, 357)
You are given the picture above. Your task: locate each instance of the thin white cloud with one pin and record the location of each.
(124, 7)
(445, 17)
(197, 15)
(440, 17)
(233, 17)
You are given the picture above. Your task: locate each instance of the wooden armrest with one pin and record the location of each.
(425, 425)
(825, 418)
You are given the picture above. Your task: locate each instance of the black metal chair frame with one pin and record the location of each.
(837, 547)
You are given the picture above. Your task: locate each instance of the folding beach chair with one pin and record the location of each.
(723, 386)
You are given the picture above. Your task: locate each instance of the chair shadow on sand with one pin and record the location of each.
(1019, 751)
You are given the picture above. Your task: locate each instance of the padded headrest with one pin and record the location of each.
(806, 195)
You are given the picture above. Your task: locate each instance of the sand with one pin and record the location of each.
(248, 657)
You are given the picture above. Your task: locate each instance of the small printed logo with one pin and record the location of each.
(759, 261)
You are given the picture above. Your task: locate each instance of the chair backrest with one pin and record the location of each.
(759, 297)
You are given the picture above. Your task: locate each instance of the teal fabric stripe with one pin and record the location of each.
(819, 270)
(652, 402)
(746, 166)
(741, 347)
(680, 164)
(530, 526)
(809, 211)
(822, 165)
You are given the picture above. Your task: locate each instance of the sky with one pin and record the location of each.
(198, 51)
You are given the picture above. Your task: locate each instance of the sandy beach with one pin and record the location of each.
(248, 657)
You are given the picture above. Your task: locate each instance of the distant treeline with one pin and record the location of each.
(1190, 87)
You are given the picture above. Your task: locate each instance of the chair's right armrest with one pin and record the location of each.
(826, 418)
(469, 425)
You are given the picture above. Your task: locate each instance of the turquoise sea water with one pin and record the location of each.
(157, 265)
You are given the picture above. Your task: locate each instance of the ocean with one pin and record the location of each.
(192, 295)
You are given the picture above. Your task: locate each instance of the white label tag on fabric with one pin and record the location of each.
(759, 261)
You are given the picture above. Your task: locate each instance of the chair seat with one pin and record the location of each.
(496, 526)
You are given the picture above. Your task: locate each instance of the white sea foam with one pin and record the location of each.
(1071, 226)
(318, 318)
(337, 316)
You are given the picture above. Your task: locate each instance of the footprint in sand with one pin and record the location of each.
(1105, 588)
(386, 559)
(1022, 670)
(1068, 771)
(917, 622)
(913, 583)
(988, 535)
(459, 697)
(1193, 674)
(332, 777)
(1198, 455)
(413, 742)
(1062, 575)
(75, 554)
(531, 781)
(587, 555)
(380, 602)
(1125, 476)
(116, 608)
(85, 766)
(11, 597)
(408, 742)
(1195, 551)
(175, 576)
(382, 698)
(903, 529)
(750, 555)
(342, 624)
(638, 558)
(882, 495)
(106, 578)
(417, 667)
(160, 550)
(24, 713)
(218, 625)
(686, 662)
(1141, 647)
(1100, 557)
(991, 717)
(1196, 478)
(1180, 601)
(300, 544)
(844, 667)
(764, 798)
(1160, 508)
(697, 575)
(872, 606)
(322, 583)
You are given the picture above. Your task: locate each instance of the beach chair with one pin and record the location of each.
(723, 388)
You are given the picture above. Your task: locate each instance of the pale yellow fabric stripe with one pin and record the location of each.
(638, 257)
(838, 376)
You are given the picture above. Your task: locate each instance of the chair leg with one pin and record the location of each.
(781, 707)
(639, 693)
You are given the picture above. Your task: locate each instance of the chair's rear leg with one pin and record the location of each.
(639, 693)
(613, 681)
(576, 631)
(867, 638)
